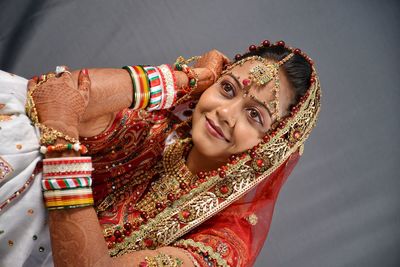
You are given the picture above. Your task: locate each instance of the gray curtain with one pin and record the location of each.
(341, 206)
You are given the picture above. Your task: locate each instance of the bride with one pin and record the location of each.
(180, 177)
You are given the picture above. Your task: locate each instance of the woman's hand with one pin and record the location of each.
(208, 69)
(60, 103)
(214, 61)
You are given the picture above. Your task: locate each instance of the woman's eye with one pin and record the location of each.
(255, 115)
(228, 88)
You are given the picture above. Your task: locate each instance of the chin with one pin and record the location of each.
(208, 148)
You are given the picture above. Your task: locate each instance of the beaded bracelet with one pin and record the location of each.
(181, 64)
(64, 147)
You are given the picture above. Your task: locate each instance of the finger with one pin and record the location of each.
(32, 82)
(60, 70)
(66, 75)
(84, 83)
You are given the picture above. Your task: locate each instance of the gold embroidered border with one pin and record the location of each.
(203, 248)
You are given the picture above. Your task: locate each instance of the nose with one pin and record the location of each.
(229, 112)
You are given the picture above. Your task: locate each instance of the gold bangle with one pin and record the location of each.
(48, 135)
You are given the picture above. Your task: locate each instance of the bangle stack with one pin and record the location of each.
(154, 88)
(141, 87)
(67, 182)
(77, 147)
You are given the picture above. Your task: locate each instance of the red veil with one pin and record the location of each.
(238, 232)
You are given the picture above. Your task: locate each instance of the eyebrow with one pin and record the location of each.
(259, 102)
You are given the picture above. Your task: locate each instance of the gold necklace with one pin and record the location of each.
(174, 180)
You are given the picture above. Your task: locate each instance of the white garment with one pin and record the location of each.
(24, 234)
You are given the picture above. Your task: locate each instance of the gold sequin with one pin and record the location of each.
(10, 243)
(30, 212)
(2, 106)
(252, 219)
(18, 146)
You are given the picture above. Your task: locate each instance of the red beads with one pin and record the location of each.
(117, 234)
(238, 56)
(260, 163)
(185, 214)
(183, 185)
(224, 189)
(232, 157)
(312, 80)
(127, 232)
(148, 242)
(252, 48)
(266, 43)
(222, 174)
(160, 206)
(171, 197)
(297, 134)
(280, 43)
(253, 154)
(246, 82)
(128, 226)
(297, 51)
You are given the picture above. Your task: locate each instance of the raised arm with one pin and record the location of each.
(112, 90)
(76, 235)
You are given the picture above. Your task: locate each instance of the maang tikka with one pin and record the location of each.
(261, 75)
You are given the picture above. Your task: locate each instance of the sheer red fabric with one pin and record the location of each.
(238, 233)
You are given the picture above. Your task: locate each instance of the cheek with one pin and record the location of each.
(208, 100)
(246, 136)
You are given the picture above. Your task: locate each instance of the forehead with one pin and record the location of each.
(242, 72)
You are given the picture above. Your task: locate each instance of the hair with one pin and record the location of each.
(297, 69)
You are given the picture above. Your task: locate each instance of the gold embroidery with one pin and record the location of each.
(204, 249)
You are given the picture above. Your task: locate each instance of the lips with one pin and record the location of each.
(215, 130)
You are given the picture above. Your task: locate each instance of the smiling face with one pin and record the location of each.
(226, 121)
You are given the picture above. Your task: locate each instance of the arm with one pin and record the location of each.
(111, 91)
(76, 235)
(77, 240)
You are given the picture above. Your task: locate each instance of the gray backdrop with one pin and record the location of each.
(341, 205)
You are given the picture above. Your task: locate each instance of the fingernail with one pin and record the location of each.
(85, 72)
